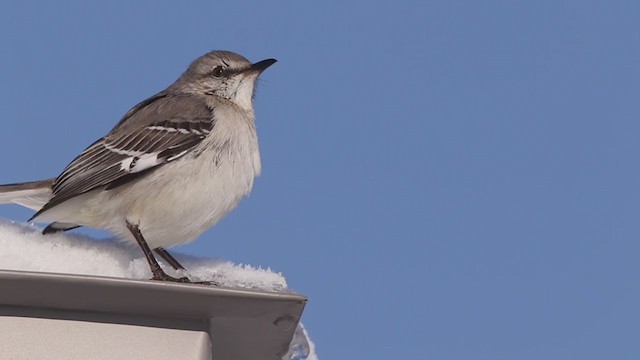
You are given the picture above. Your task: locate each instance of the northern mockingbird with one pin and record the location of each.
(174, 165)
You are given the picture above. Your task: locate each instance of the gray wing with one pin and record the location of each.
(155, 132)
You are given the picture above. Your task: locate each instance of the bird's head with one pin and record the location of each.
(224, 74)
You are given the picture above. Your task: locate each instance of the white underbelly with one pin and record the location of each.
(177, 204)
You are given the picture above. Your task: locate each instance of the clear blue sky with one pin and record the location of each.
(444, 180)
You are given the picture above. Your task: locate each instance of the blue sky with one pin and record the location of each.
(447, 180)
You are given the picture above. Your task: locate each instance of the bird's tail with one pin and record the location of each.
(32, 195)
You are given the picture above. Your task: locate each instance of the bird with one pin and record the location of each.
(172, 167)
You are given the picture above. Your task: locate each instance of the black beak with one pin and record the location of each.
(261, 66)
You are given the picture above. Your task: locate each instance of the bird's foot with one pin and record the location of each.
(162, 276)
(210, 283)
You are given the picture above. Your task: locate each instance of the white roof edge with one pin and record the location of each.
(242, 323)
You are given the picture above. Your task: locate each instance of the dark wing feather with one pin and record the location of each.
(153, 133)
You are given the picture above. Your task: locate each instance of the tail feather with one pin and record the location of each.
(32, 195)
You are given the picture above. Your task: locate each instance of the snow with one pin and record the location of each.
(25, 248)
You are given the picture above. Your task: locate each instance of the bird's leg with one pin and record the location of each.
(168, 258)
(158, 273)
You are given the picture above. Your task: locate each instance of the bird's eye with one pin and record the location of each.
(218, 71)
